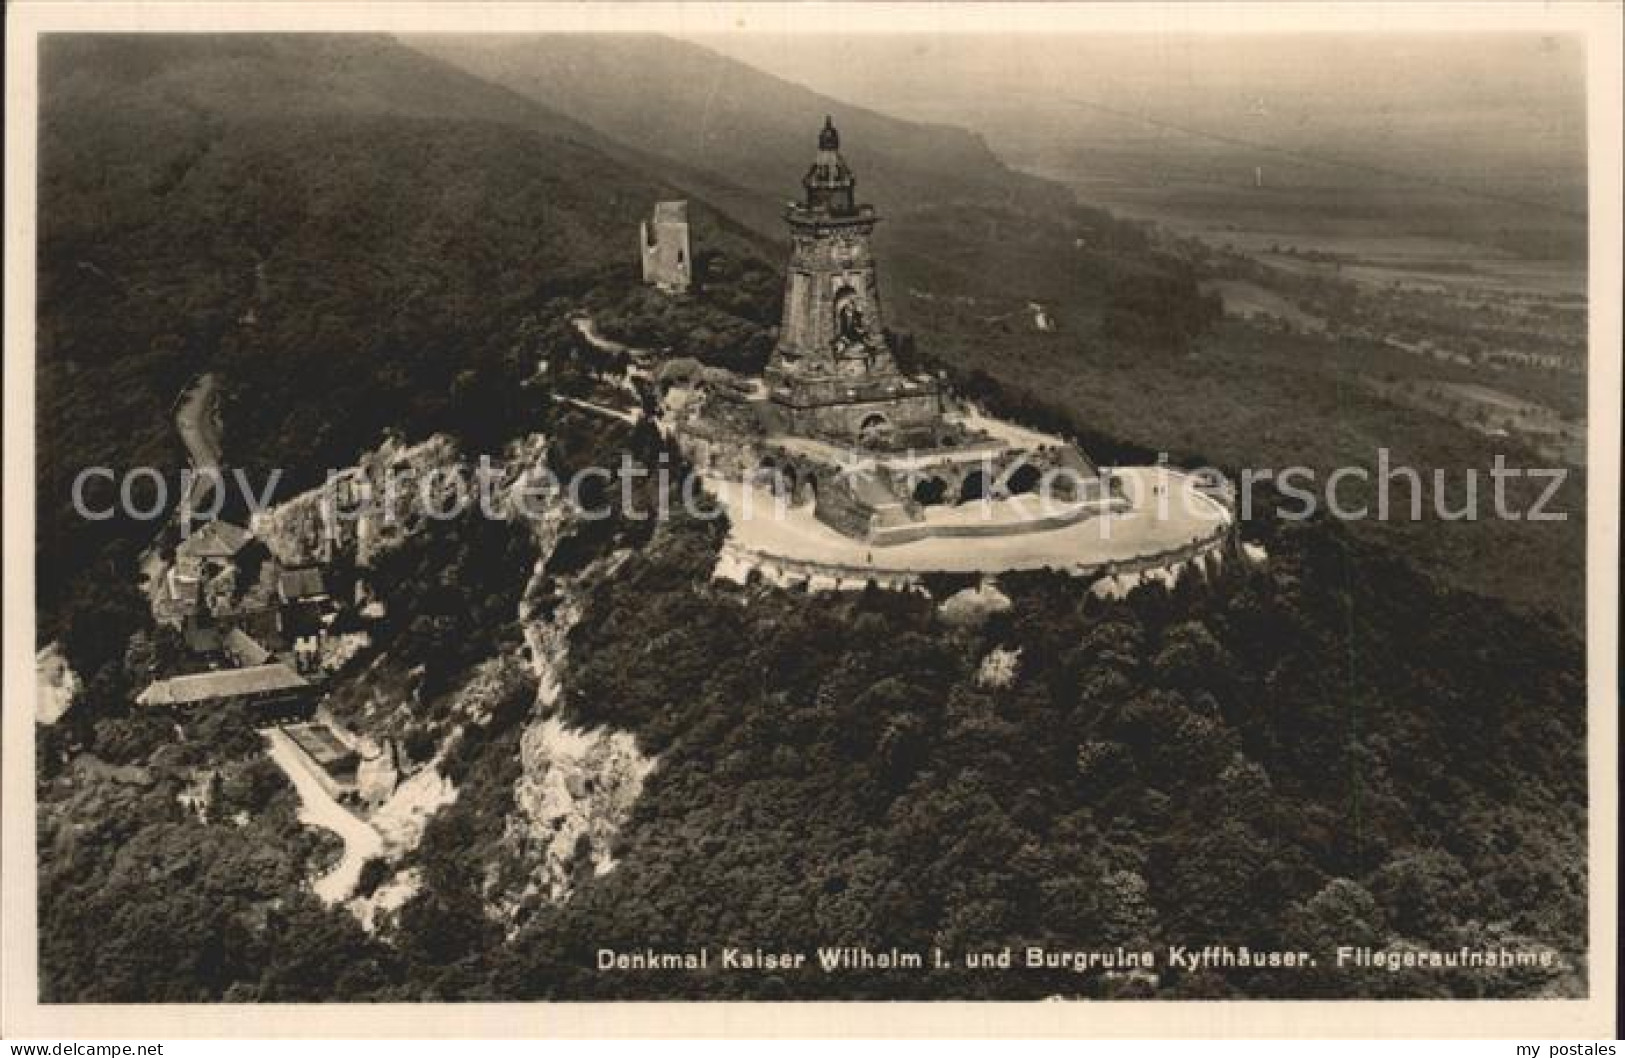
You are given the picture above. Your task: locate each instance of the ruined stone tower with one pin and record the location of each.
(832, 374)
(663, 241)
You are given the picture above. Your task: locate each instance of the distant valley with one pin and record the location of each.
(1374, 213)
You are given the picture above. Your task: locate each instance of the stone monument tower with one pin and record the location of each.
(881, 455)
(832, 374)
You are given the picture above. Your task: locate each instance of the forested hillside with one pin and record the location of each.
(958, 222)
(1326, 752)
(354, 237)
(721, 120)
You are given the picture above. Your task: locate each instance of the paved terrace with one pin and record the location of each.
(1169, 513)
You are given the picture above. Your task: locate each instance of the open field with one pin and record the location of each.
(1399, 263)
(1378, 233)
(1494, 414)
(1249, 301)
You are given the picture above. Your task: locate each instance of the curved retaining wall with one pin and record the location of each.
(736, 563)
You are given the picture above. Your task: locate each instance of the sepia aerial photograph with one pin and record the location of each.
(694, 514)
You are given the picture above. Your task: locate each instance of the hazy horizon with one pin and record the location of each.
(1491, 117)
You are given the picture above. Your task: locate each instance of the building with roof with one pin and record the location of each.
(304, 585)
(334, 758)
(213, 541)
(201, 557)
(273, 686)
(243, 650)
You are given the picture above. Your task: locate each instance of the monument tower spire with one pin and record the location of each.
(829, 183)
(832, 372)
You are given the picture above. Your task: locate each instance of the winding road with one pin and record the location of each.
(317, 808)
(629, 417)
(197, 418)
(584, 325)
(589, 330)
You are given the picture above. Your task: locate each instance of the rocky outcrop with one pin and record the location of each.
(363, 510)
(56, 684)
(576, 787)
(386, 900)
(400, 819)
(971, 607)
(574, 793)
(998, 669)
